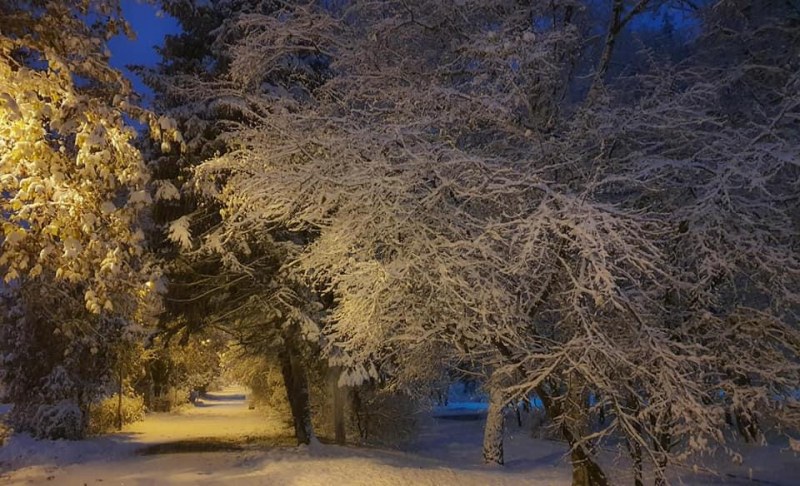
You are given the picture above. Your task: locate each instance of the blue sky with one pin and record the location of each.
(150, 28)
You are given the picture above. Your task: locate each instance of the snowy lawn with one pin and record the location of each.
(248, 449)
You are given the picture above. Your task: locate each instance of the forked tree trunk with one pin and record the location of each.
(495, 425)
(294, 379)
(585, 471)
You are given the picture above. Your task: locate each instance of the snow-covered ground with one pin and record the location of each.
(114, 458)
(221, 415)
(447, 452)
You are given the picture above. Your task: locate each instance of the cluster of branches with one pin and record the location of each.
(628, 247)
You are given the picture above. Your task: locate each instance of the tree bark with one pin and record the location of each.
(495, 425)
(338, 396)
(119, 397)
(611, 39)
(297, 393)
(585, 471)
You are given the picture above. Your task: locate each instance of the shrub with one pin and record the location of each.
(5, 432)
(62, 420)
(103, 415)
(383, 417)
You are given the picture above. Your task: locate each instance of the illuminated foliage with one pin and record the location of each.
(74, 185)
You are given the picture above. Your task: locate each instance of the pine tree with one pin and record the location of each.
(222, 278)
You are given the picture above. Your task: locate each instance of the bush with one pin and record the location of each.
(103, 416)
(171, 399)
(383, 417)
(5, 432)
(264, 379)
(62, 420)
(268, 391)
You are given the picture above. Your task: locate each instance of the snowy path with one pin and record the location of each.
(222, 415)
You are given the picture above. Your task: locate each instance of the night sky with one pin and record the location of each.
(150, 28)
(151, 25)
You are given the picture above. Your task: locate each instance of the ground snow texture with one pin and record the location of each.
(447, 452)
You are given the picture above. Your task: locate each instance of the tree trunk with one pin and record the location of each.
(747, 424)
(358, 416)
(611, 39)
(495, 425)
(618, 22)
(664, 446)
(636, 456)
(119, 398)
(634, 446)
(338, 395)
(297, 393)
(585, 472)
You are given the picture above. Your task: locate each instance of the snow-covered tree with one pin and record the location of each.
(59, 360)
(75, 199)
(218, 278)
(405, 197)
(617, 252)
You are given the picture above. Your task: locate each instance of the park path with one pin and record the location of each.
(222, 442)
(219, 417)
